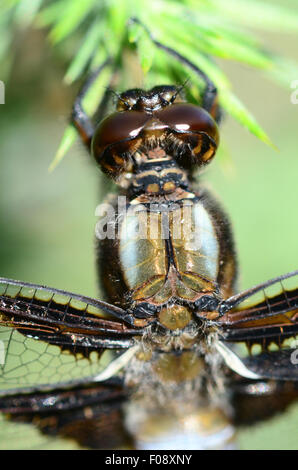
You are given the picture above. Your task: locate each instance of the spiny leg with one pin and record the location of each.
(79, 118)
(103, 105)
(210, 97)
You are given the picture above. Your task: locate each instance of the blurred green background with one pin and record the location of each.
(47, 220)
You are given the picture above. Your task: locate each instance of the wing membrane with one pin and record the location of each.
(265, 315)
(90, 415)
(281, 365)
(31, 364)
(268, 311)
(50, 337)
(39, 310)
(258, 400)
(21, 296)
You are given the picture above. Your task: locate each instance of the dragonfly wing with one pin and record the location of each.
(92, 416)
(265, 319)
(50, 337)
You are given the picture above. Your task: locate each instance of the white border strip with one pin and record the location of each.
(234, 362)
(116, 365)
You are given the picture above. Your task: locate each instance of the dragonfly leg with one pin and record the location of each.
(79, 118)
(210, 96)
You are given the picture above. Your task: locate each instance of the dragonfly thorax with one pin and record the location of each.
(156, 173)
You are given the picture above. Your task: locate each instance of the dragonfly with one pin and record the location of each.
(173, 356)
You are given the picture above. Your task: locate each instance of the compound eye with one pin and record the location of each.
(194, 127)
(116, 138)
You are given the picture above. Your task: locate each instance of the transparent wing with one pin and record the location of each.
(269, 310)
(49, 337)
(265, 319)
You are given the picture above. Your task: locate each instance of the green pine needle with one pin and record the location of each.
(67, 141)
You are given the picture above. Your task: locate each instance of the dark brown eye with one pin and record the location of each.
(193, 126)
(115, 137)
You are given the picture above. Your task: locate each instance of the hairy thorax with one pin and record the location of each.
(177, 383)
